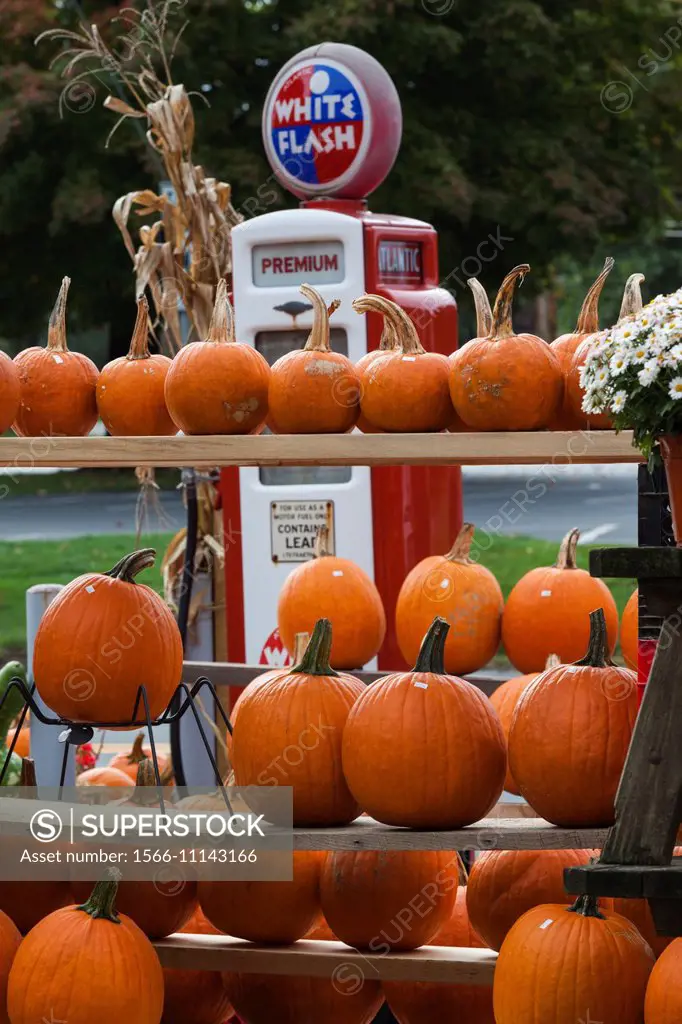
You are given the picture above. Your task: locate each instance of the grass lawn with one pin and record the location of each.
(25, 563)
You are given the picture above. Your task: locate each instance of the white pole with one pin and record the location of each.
(46, 751)
(195, 762)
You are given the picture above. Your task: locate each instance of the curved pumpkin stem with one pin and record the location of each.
(586, 906)
(301, 641)
(566, 559)
(432, 651)
(598, 649)
(502, 311)
(139, 345)
(632, 297)
(459, 552)
(129, 567)
(102, 900)
(56, 330)
(588, 320)
(28, 773)
(137, 753)
(318, 339)
(315, 661)
(484, 314)
(406, 333)
(222, 322)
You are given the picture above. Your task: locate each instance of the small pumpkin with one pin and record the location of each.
(506, 381)
(105, 776)
(547, 611)
(130, 389)
(337, 589)
(288, 733)
(387, 343)
(505, 884)
(377, 899)
(129, 762)
(195, 997)
(427, 1002)
(403, 389)
(629, 631)
(424, 749)
(570, 775)
(102, 637)
(10, 392)
(562, 964)
(57, 385)
(10, 940)
(314, 390)
(22, 747)
(460, 590)
(113, 971)
(663, 1002)
(269, 998)
(218, 386)
(564, 347)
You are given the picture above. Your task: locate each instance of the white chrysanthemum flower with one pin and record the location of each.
(618, 401)
(619, 363)
(676, 352)
(675, 388)
(648, 374)
(639, 354)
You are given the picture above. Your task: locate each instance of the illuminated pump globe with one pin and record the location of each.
(332, 123)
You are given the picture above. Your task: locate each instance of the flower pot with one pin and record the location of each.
(671, 450)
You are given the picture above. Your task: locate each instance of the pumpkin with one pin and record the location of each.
(104, 776)
(321, 931)
(130, 389)
(505, 884)
(663, 1002)
(337, 589)
(504, 699)
(86, 963)
(569, 774)
(22, 747)
(10, 940)
(629, 630)
(506, 381)
(57, 385)
(428, 1003)
(405, 388)
(547, 612)
(288, 733)
(104, 636)
(314, 390)
(10, 392)
(564, 347)
(424, 749)
(631, 305)
(129, 762)
(387, 342)
(561, 965)
(263, 911)
(195, 997)
(269, 998)
(637, 911)
(218, 386)
(388, 899)
(461, 591)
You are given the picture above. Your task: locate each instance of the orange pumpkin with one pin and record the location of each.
(288, 733)
(103, 636)
(424, 749)
(266, 998)
(638, 912)
(564, 347)
(629, 630)
(387, 343)
(195, 997)
(261, 911)
(10, 392)
(461, 591)
(129, 763)
(314, 390)
(506, 381)
(504, 699)
(104, 776)
(321, 931)
(130, 389)
(570, 775)
(663, 1002)
(631, 305)
(505, 884)
(10, 940)
(428, 1003)
(547, 612)
(57, 386)
(218, 386)
(339, 590)
(404, 389)
(22, 748)
(113, 971)
(388, 899)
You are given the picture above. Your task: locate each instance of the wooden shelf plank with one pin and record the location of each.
(540, 448)
(327, 960)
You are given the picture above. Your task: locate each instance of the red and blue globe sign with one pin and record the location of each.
(332, 123)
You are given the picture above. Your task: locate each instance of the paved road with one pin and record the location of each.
(59, 516)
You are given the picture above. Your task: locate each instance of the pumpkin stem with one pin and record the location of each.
(553, 661)
(102, 899)
(598, 648)
(137, 753)
(588, 321)
(406, 333)
(128, 568)
(56, 330)
(484, 314)
(28, 773)
(139, 345)
(566, 559)
(632, 297)
(432, 651)
(318, 339)
(586, 906)
(321, 546)
(221, 328)
(315, 661)
(301, 641)
(502, 318)
(145, 780)
(459, 552)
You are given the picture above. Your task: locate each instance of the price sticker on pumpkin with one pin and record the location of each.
(294, 526)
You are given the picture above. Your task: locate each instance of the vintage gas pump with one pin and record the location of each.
(331, 128)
